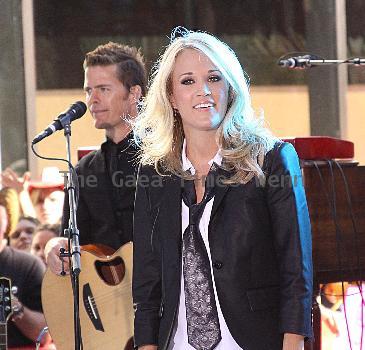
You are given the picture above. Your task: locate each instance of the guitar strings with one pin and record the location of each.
(106, 296)
(97, 303)
(97, 300)
(125, 289)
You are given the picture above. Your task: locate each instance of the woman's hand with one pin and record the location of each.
(293, 342)
(147, 347)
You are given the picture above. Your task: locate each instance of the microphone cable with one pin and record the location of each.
(355, 247)
(333, 210)
(73, 173)
(339, 234)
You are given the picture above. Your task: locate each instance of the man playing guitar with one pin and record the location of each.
(115, 80)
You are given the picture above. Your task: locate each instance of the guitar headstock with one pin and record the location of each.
(5, 299)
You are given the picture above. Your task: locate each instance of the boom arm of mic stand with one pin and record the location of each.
(324, 62)
(302, 62)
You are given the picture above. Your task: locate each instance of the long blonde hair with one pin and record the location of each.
(242, 138)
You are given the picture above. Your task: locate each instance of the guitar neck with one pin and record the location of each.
(3, 336)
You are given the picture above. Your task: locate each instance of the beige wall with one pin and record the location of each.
(356, 120)
(48, 105)
(286, 110)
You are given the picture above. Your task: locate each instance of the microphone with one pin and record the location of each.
(75, 111)
(297, 61)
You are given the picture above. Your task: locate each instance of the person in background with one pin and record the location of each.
(11, 201)
(21, 237)
(42, 235)
(222, 239)
(39, 199)
(333, 322)
(10, 179)
(355, 315)
(25, 272)
(48, 196)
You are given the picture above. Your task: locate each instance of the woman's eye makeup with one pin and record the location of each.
(214, 78)
(188, 81)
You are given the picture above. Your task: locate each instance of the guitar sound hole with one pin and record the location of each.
(111, 272)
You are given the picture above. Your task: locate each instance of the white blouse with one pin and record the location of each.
(180, 338)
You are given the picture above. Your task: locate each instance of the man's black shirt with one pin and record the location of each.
(106, 198)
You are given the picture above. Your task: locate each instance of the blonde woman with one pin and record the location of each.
(222, 237)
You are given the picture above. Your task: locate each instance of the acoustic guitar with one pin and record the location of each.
(5, 310)
(105, 301)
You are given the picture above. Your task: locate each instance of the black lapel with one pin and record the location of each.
(221, 189)
(171, 202)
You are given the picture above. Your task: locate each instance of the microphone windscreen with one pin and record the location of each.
(78, 109)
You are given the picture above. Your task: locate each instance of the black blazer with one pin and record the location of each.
(260, 242)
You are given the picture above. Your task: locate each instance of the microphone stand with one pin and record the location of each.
(322, 62)
(72, 232)
(308, 60)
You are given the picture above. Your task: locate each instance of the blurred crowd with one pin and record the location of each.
(30, 215)
(34, 209)
(342, 308)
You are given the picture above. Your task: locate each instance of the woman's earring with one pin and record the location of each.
(176, 112)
